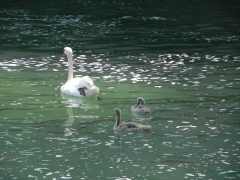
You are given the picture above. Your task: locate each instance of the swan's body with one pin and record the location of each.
(80, 87)
(129, 126)
(140, 107)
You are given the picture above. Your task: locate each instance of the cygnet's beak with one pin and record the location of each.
(63, 54)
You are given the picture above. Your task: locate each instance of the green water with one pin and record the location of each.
(182, 57)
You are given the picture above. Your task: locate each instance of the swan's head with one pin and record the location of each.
(140, 101)
(67, 51)
(117, 112)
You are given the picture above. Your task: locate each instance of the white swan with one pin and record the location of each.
(129, 126)
(80, 87)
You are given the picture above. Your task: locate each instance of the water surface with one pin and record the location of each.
(182, 58)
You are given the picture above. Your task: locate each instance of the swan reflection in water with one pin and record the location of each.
(83, 103)
(67, 131)
(76, 102)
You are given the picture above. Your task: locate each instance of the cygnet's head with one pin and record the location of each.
(140, 101)
(117, 112)
(67, 50)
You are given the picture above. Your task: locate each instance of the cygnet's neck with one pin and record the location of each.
(118, 119)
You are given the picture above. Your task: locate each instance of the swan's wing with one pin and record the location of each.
(79, 86)
(88, 82)
(72, 87)
(84, 82)
(132, 125)
(128, 125)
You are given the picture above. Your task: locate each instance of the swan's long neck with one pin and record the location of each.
(118, 119)
(70, 66)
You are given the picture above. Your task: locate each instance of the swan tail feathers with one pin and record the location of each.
(146, 128)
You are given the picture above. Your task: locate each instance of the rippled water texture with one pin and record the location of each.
(182, 57)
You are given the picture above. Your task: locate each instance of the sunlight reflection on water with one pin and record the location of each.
(182, 118)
